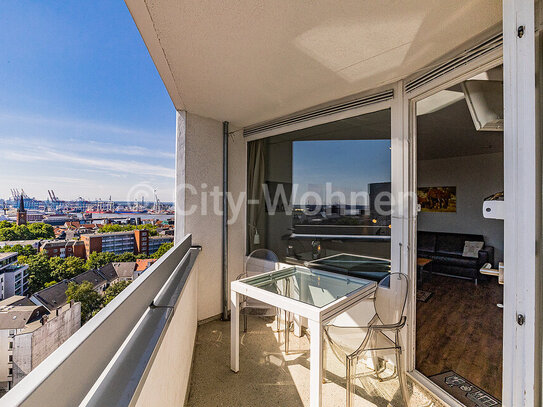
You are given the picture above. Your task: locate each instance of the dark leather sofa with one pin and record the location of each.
(445, 250)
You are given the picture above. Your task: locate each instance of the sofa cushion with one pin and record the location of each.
(426, 242)
(471, 249)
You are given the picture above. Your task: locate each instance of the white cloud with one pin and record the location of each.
(90, 146)
(131, 167)
(74, 124)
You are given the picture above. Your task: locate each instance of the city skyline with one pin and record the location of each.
(83, 110)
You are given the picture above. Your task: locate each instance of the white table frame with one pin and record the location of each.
(315, 316)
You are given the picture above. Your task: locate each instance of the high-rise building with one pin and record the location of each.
(13, 276)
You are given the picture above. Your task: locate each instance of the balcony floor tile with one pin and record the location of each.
(269, 377)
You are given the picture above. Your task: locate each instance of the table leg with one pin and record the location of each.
(315, 382)
(298, 325)
(234, 331)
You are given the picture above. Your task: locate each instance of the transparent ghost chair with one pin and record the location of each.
(259, 261)
(351, 344)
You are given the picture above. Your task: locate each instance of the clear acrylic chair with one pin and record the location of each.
(259, 261)
(352, 343)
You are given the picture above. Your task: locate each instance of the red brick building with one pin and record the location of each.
(64, 248)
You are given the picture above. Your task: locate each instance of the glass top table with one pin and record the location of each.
(310, 286)
(314, 295)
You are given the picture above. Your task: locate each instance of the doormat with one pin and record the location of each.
(424, 296)
(464, 391)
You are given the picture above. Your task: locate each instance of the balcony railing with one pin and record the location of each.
(110, 360)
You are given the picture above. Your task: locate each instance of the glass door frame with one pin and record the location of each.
(396, 153)
(410, 172)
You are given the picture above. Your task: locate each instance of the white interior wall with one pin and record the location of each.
(475, 177)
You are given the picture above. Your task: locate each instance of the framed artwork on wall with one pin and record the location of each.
(437, 199)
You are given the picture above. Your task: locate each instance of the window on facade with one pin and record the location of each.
(323, 192)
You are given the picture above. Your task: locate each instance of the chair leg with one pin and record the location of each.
(373, 354)
(287, 331)
(401, 377)
(324, 356)
(245, 323)
(350, 376)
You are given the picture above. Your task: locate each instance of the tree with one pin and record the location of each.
(98, 260)
(164, 247)
(26, 250)
(6, 224)
(74, 266)
(50, 283)
(127, 256)
(22, 232)
(66, 268)
(41, 230)
(39, 271)
(113, 290)
(7, 234)
(10, 231)
(58, 268)
(85, 294)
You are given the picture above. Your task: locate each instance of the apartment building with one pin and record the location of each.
(13, 276)
(64, 248)
(141, 241)
(134, 241)
(156, 241)
(29, 333)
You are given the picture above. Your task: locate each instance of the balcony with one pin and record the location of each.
(146, 349)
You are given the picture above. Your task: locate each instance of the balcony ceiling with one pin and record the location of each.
(249, 61)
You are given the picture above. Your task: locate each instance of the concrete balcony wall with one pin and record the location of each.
(199, 165)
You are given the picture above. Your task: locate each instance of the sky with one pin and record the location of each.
(349, 165)
(83, 110)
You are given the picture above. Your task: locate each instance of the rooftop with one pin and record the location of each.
(7, 255)
(144, 264)
(54, 296)
(16, 300)
(55, 243)
(17, 317)
(113, 271)
(127, 232)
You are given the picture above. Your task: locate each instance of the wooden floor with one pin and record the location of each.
(460, 329)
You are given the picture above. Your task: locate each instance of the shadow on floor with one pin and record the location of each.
(269, 377)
